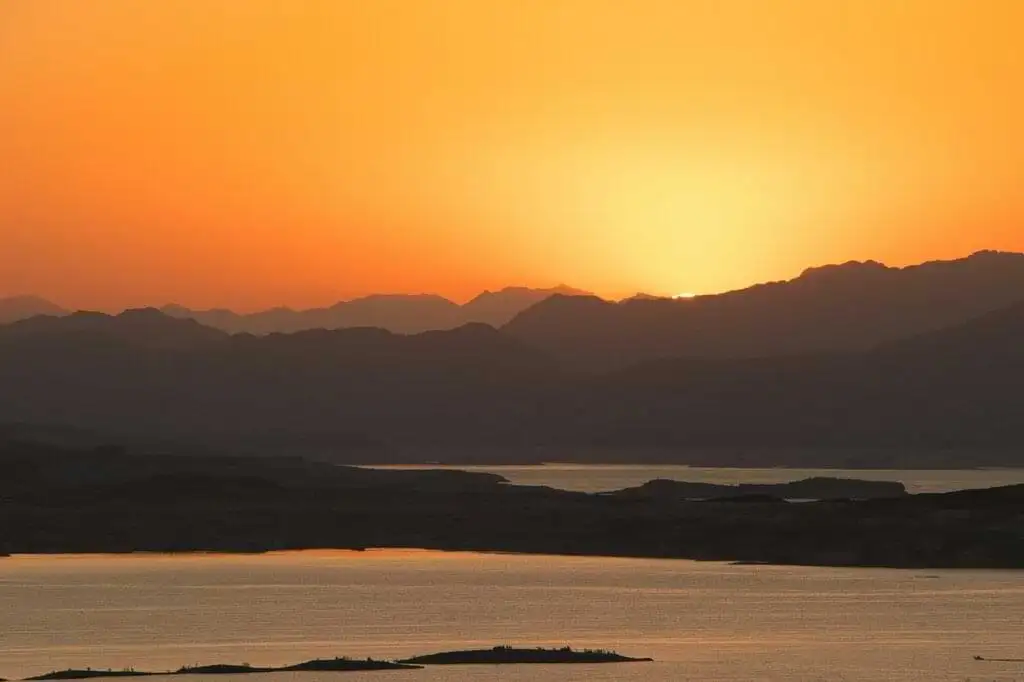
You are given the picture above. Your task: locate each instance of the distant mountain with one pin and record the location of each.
(21, 307)
(499, 307)
(834, 308)
(641, 296)
(399, 313)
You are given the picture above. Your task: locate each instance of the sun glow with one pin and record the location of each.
(264, 153)
(684, 295)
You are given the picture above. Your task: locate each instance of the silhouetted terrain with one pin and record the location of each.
(359, 388)
(22, 307)
(54, 500)
(403, 314)
(933, 397)
(847, 307)
(368, 395)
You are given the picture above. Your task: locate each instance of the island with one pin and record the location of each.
(814, 488)
(317, 665)
(506, 655)
(499, 655)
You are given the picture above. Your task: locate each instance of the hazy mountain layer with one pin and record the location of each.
(403, 314)
(361, 394)
(22, 307)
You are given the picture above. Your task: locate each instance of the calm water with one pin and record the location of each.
(701, 621)
(596, 478)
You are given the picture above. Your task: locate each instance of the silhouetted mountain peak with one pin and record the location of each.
(641, 296)
(528, 292)
(849, 269)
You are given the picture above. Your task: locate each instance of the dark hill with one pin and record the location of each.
(848, 307)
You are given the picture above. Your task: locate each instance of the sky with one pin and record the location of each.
(251, 153)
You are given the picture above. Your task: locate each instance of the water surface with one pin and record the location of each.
(702, 621)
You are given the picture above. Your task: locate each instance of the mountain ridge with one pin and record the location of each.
(850, 306)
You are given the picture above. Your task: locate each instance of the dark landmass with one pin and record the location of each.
(504, 655)
(474, 395)
(856, 366)
(319, 665)
(817, 488)
(60, 501)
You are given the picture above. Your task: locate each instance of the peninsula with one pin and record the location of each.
(107, 500)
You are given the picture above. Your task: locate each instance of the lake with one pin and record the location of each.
(701, 621)
(598, 478)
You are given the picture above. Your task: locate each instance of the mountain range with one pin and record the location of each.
(399, 313)
(857, 364)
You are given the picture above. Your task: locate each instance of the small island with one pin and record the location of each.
(317, 665)
(506, 655)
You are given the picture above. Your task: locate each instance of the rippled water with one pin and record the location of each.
(597, 478)
(701, 621)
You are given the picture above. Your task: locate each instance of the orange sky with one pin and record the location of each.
(249, 153)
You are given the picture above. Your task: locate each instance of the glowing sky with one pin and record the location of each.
(249, 153)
